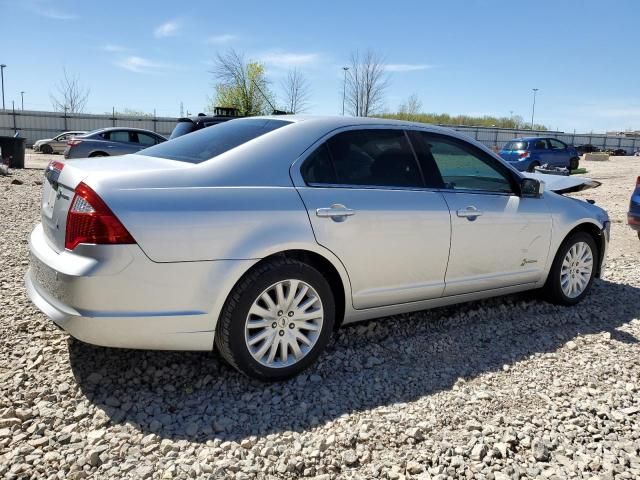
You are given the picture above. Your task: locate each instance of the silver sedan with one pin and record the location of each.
(260, 236)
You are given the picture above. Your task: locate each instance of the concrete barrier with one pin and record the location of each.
(598, 157)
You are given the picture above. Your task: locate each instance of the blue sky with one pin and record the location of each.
(460, 57)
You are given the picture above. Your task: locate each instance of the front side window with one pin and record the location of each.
(373, 157)
(463, 168)
(147, 140)
(556, 144)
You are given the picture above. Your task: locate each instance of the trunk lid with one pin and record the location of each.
(61, 179)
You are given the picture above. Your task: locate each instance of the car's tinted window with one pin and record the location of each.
(211, 142)
(117, 136)
(182, 128)
(540, 145)
(144, 139)
(556, 144)
(374, 157)
(462, 168)
(317, 168)
(510, 146)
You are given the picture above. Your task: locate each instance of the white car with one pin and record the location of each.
(56, 144)
(262, 235)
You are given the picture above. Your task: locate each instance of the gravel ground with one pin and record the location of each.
(501, 389)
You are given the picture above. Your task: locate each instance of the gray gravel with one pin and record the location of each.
(501, 389)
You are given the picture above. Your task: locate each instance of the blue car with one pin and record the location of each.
(527, 153)
(633, 216)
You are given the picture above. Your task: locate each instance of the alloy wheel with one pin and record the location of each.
(576, 270)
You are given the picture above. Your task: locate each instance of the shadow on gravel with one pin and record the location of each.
(195, 396)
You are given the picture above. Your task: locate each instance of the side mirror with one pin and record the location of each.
(531, 188)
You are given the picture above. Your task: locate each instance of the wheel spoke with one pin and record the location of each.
(260, 336)
(302, 337)
(253, 324)
(298, 298)
(269, 301)
(280, 295)
(264, 347)
(291, 294)
(258, 311)
(307, 303)
(297, 353)
(274, 349)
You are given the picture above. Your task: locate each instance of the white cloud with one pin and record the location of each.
(110, 47)
(142, 65)
(406, 67)
(43, 8)
(167, 29)
(219, 39)
(278, 58)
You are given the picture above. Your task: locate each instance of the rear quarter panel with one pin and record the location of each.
(182, 224)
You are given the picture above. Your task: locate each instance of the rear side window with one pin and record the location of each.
(144, 139)
(117, 136)
(364, 157)
(210, 142)
(557, 144)
(511, 146)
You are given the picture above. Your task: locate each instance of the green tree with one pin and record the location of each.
(241, 84)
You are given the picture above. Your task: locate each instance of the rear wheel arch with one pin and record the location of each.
(98, 154)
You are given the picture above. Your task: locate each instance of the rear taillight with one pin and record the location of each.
(91, 221)
(74, 142)
(524, 155)
(638, 182)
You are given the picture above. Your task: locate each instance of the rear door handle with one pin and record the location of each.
(337, 212)
(470, 212)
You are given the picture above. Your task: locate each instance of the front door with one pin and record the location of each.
(368, 204)
(498, 238)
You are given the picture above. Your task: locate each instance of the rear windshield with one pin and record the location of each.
(515, 146)
(210, 142)
(182, 128)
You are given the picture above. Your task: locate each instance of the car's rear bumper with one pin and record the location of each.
(117, 297)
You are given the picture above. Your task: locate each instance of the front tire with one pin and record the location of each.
(47, 149)
(573, 270)
(277, 320)
(574, 163)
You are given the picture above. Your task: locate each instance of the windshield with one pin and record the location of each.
(510, 146)
(213, 141)
(182, 128)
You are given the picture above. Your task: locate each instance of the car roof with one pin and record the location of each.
(128, 129)
(527, 139)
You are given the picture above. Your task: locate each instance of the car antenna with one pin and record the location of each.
(274, 110)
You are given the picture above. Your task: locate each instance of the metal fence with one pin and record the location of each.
(496, 137)
(34, 125)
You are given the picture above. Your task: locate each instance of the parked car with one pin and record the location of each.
(262, 235)
(618, 152)
(191, 124)
(111, 141)
(587, 148)
(525, 154)
(56, 144)
(633, 216)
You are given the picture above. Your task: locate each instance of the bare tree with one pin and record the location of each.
(241, 84)
(410, 108)
(367, 82)
(70, 95)
(296, 92)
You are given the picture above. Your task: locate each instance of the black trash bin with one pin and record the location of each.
(12, 151)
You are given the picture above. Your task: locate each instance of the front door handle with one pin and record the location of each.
(337, 212)
(471, 212)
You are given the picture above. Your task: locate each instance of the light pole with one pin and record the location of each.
(344, 88)
(22, 100)
(2, 67)
(533, 109)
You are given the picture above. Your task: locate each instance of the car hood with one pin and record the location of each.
(43, 140)
(564, 184)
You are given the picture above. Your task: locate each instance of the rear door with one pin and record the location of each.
(540, 151)
(368, 204)
(498, 239)
(59, 143)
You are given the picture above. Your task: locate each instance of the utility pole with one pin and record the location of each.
(22, 99)
(344, 88)
(2, 67)
(533, 109)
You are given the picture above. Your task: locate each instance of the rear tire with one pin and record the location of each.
(573, 270)
(574, 163)
(277, 320)
(98, 154)
(46, 149)
(532, 167)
